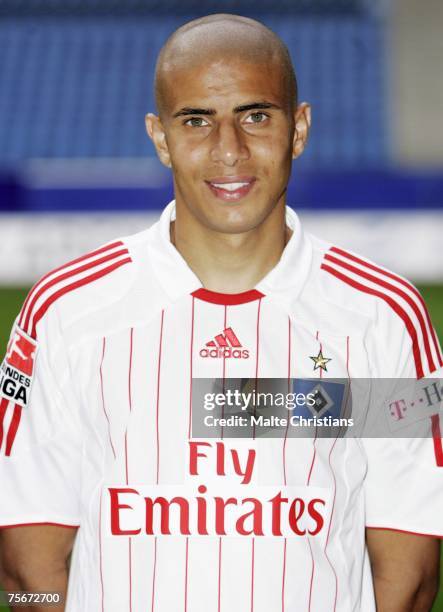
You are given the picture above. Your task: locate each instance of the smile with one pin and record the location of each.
(231, 189)
(230, 186)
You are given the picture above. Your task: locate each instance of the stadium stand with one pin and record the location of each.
(174, 7)
(80, 87)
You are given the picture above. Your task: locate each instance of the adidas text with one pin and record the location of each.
(225, 352)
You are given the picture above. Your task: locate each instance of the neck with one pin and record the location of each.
(231, 263)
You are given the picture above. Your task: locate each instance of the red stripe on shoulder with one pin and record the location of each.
(61, 277)
(75, 285)
(395, 307)
(402, 294)
(401, 281)
(73, 262)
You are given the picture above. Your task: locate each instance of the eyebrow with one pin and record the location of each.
(186, 110)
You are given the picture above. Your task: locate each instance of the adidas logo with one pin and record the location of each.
(225, 345)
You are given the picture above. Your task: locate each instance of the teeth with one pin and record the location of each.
(230, 186)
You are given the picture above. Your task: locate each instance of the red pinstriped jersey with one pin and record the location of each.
(96, 415)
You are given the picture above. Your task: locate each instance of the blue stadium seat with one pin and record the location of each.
(174, 7)
(80, 87)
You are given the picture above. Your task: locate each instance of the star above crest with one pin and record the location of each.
(320, 361)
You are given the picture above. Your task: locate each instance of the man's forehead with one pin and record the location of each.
(194, 61)
(226, 81)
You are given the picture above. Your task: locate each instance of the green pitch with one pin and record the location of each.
(11, 300)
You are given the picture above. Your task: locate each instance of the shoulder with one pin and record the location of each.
(396, 308)
(342, 271)
(86, 284)
(356, 281)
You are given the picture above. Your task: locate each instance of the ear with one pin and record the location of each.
(157, 134)
(302, 120)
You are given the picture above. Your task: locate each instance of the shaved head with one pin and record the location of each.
(216, 37)
(228, 124)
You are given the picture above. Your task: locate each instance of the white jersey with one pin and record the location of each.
(96, 429)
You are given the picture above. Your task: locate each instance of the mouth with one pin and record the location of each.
(231, 188)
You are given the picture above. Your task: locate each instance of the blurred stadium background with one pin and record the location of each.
(76, 168)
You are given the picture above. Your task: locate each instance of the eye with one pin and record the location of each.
(257, 117)
(196, 122)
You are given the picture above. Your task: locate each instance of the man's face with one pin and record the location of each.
(228, 132)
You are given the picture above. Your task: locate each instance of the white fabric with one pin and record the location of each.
(110, 410)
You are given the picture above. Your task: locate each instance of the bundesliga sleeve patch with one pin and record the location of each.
(17, 369)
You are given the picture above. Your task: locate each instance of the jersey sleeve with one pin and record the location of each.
(40, 433)
(404, 481)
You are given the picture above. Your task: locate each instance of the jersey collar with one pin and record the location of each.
(284, 282)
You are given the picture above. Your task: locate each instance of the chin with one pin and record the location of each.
(236, 222)
(229, 217)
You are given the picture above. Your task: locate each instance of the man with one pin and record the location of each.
(226, 286)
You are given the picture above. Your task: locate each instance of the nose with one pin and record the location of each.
(229, 146)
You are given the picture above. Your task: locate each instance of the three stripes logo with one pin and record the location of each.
(225, 345)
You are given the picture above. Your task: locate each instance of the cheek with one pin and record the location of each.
(188, 160)
(275, 157)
